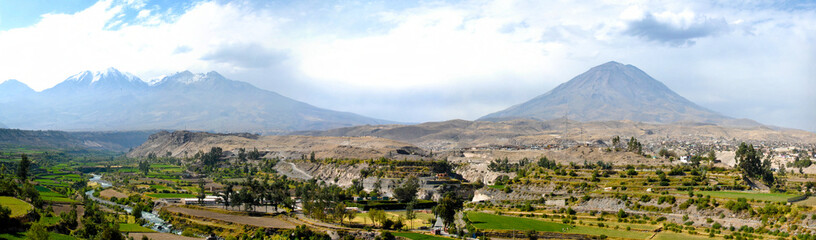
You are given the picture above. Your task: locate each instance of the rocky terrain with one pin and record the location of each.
(453, 134)
(186, 144)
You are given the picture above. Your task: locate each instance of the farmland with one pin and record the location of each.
(17, 206)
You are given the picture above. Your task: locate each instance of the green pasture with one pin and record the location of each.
(18, 207)
(171, 195)
(497, 222)
(132, 227)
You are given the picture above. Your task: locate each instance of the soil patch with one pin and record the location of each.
(265, 222)
(108, 193)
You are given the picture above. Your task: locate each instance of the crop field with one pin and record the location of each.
(159, 187)
(492, 221)
(419, 236)
(20, 236)
(132, 227)
(773, 197)
(678, 236)
(171, 195)
(17, 206)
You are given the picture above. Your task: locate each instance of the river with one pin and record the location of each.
(156, 223)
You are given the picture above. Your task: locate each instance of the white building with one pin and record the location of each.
(207, 201)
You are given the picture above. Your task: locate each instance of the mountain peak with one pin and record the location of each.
(611, 91)
(14, 85)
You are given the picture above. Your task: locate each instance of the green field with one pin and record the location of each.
(773, 197)
(58, 199)
(418, 236)
(159, 187)
(678, 236)
(18, 207)
(171, 195)
(132, 227)
(21, 235)
(492, 221)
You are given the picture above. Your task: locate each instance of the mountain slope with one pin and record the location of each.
(112, 100)
(13, 90)
(613, 91)
(459, 134)
(112, 141)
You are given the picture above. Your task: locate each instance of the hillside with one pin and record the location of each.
(614, 91)
(185, 143)
(460, 133)
(112, 141)
(112, 100)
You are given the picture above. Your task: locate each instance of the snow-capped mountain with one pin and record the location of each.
(113, 100)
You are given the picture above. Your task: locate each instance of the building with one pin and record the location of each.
(207, 201)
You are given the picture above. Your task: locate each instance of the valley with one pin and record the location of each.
(532, 171)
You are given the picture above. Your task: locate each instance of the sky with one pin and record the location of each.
(419, 61)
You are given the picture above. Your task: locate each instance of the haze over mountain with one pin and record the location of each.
(112, 100)
(614, 91)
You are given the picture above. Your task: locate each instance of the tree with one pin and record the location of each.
(242, 155)
(201, 193)
(22, 170)
(137, 211)
(447, 208)
(634, 146)
(312, 156)
(410, 214)
(37, 232)
(408, 190)
(712, 156)
(144, 166)
(376, 215)
(749, 161)
(227, 194)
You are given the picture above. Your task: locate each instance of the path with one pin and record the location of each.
(296, 171)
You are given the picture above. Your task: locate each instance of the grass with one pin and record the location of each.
(492, 221)
(57, 198)
(678, 236)
(773, 197)
(160, 187)
(18, 207)
(132, 227)
(171, 195)
(21, 235)
(418, 236)
(50, 221)
(500, 187)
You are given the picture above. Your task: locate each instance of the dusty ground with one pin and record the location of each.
(187, 144)
(108, 193)
(266, 222)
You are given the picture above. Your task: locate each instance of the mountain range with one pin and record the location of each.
(614, 91)
(113, 100)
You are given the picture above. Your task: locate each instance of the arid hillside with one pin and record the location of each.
(454, 134)
(185, 143)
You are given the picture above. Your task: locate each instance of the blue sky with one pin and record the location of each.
(417, 61)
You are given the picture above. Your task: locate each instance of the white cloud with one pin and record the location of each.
(462, 59)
